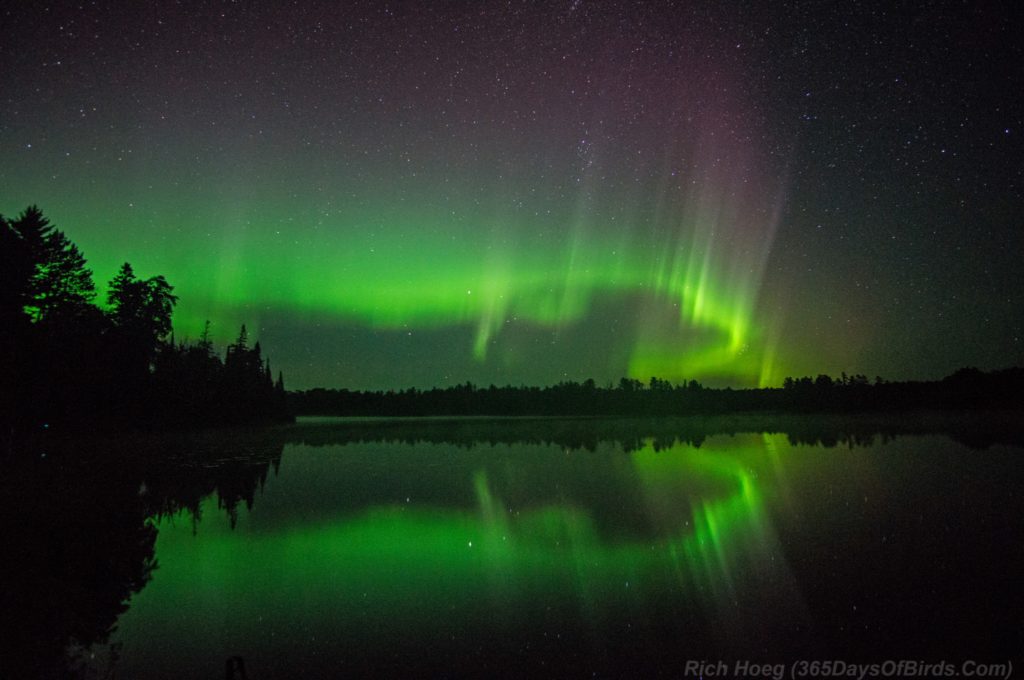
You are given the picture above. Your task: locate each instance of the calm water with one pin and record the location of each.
(473, 548)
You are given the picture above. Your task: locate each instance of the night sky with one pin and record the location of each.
(396, 194)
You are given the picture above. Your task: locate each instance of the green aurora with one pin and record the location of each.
(643, 252)
(420, 198)
(688, 272)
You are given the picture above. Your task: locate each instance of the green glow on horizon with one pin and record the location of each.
(417, 275)
(683, 265)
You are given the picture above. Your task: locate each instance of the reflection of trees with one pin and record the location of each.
(77, 537)
(978, 430)
(76, 546)
(183, 487)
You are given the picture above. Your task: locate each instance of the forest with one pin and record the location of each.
(68, 363)
(967, 389)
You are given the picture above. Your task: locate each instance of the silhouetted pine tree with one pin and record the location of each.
(65, 362)
(59, 282)
(17, 269)
(247, 388)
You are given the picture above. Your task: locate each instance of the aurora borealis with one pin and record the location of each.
(424, 194)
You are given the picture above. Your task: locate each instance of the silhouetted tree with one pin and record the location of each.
(65, 362)
(247, 387)
(59, 283)
(143, 308)
(64, 284)
(140, 318)
(17, 268)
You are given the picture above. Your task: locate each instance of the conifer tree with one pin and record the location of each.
(59, 283)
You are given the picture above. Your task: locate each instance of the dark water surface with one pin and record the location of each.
(476, 547)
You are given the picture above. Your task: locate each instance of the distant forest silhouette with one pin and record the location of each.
(67, 363)
(968, 388)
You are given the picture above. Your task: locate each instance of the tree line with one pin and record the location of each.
(66, 362)
(968, 388)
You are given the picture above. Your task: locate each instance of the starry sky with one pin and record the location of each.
(396, 194)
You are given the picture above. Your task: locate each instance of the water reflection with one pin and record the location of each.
(326, 549)
(611, 545)
(78, 527)
(74, 550)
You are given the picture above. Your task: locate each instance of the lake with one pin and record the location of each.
(455, 547)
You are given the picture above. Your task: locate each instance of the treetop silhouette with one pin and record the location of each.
(67, 363)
